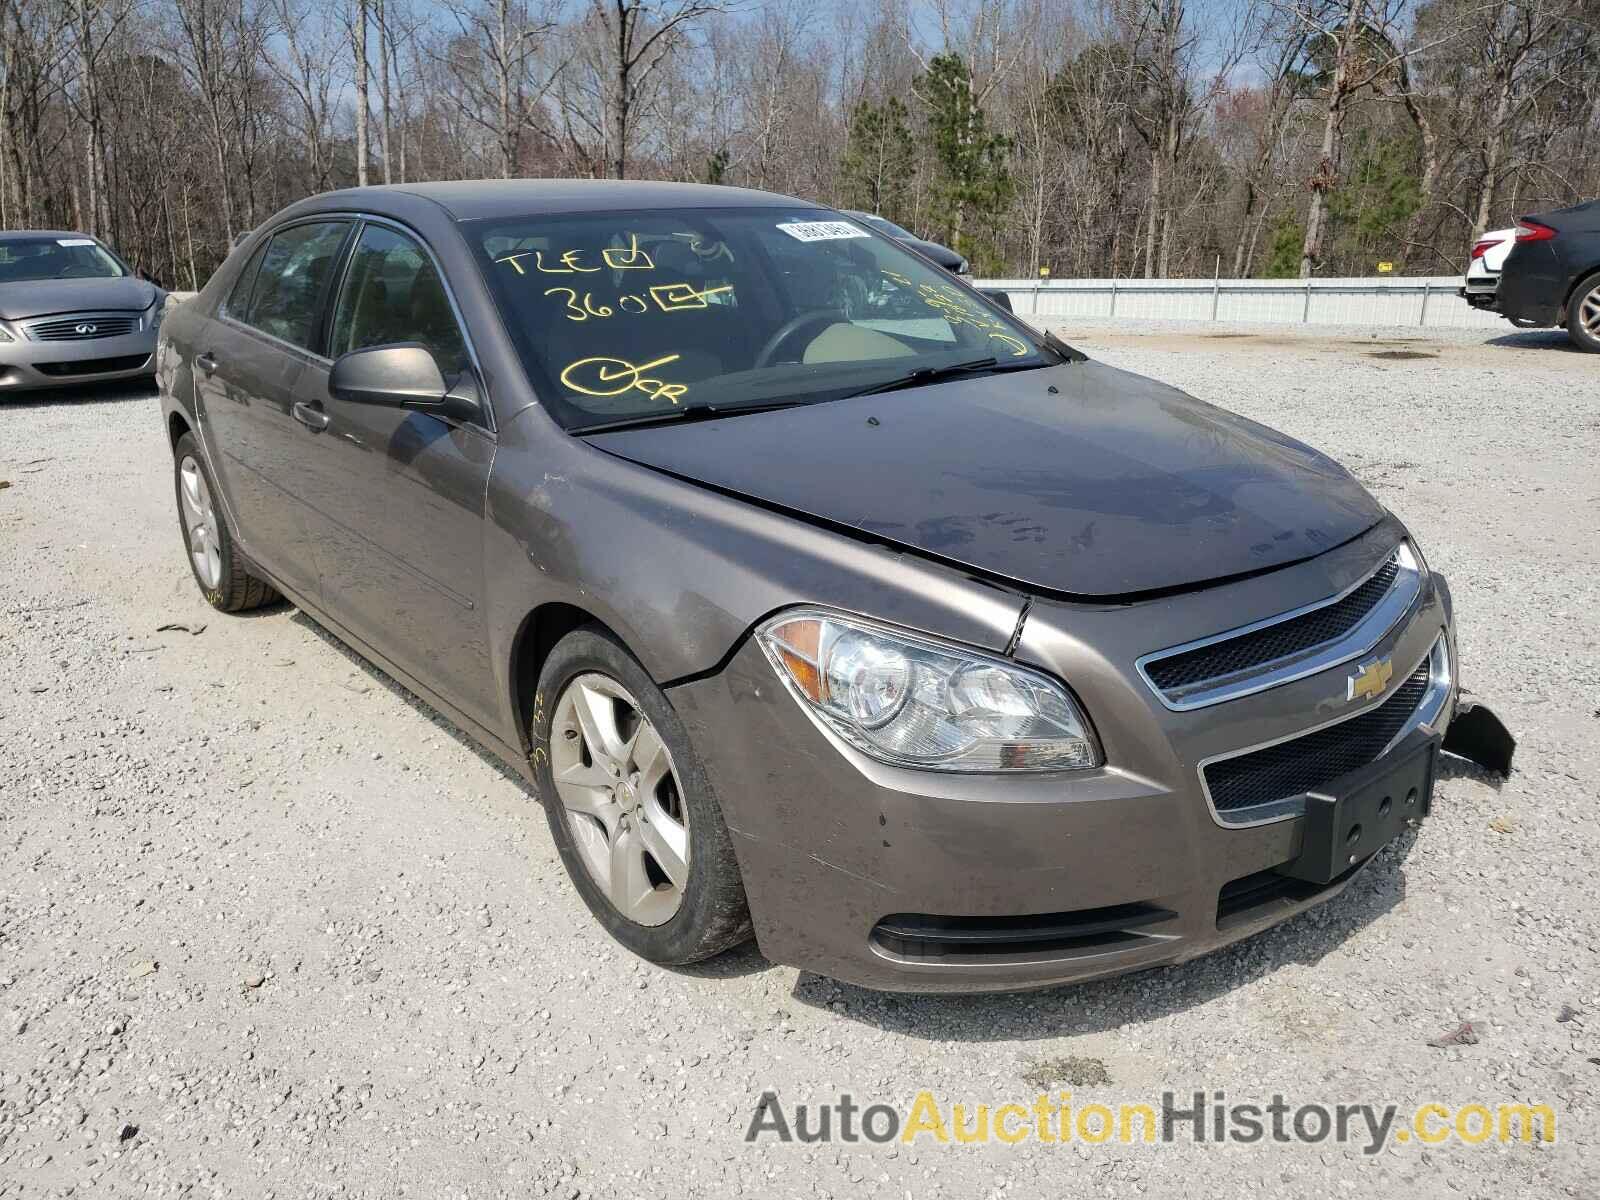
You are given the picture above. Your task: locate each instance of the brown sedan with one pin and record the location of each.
(819, 598)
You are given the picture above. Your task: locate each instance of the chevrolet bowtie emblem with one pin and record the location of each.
(1369, 680)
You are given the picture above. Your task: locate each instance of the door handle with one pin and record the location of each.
(310, 415)
(207, 362)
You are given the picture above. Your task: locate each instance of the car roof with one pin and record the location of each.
(476, 199)
(41, 233)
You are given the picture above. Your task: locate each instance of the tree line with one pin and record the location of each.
(1075, 137)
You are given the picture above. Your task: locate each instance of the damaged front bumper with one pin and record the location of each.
(908, 880)
(1480, 737)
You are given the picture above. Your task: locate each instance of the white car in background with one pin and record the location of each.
(1483, 268)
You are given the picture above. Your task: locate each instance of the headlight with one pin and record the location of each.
(918, 703)
(5, 335)
(157, 311)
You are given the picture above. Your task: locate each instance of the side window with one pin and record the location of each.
(392, 293)
(237, 305)
(288, 286)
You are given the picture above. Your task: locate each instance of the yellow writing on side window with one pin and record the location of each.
(612, 376)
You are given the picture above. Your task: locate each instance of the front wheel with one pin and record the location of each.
(217, 565)
(630, 807)
(1583, 315)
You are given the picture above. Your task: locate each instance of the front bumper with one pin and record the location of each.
(848, 863)
(27, 364)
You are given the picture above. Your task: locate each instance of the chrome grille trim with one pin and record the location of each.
(1427, 713)
(1361, 637)
(97, 325)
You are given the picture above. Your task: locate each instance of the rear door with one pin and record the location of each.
(248, 361)
(398, 496)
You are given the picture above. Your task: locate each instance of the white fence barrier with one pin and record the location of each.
(1423, 302)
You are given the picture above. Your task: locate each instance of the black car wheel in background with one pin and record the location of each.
(1552, 275)
(1583, 314)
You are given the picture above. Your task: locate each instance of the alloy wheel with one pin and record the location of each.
(1589, 311)
(615, 778)
(200, 522)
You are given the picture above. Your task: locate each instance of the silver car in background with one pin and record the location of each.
(71, 311)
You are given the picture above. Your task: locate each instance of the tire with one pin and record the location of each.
(601, 818)
(214, 559)
(1583, 315)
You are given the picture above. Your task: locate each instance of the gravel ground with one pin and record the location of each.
(269, 927)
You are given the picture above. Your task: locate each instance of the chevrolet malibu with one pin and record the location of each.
(818, 598)
(72, 312)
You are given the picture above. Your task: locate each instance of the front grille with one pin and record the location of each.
(1284, 640)
(94, 366)
(85, 327)
(1303, 764)
(921, 937)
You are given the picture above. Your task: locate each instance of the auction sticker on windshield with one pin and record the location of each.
(822, 231)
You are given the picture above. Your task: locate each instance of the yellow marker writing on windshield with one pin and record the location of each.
(613, 376)
(569, 264)
(577, 312)
(1018, 346)
(673, 297)
(629, 257)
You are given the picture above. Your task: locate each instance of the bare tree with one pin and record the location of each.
(496, 77)
(626, 44)
(308, 67)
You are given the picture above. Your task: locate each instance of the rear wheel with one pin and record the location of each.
(217, 565)
(630, 807)
(1583, 315)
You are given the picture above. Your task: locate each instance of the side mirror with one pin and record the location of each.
(400, 376)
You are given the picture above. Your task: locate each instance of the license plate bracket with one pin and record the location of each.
(1356, 815)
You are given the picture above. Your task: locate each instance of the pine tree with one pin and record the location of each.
(974, 180)
(880, 157)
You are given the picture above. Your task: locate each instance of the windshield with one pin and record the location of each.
(634, 314)
(884, 225)
(55, 258)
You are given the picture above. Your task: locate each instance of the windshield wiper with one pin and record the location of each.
(685, 412)
(922, 375)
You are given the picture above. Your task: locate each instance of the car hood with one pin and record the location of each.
(1078, 479)
(29, 298)
(943, 255)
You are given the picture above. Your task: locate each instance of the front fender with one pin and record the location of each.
(679, 572)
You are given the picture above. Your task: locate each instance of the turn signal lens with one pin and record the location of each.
(914, 702)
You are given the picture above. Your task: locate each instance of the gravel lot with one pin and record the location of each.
(269, 927)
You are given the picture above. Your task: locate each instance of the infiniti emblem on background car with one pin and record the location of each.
(1369, 680)
(87, 328)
